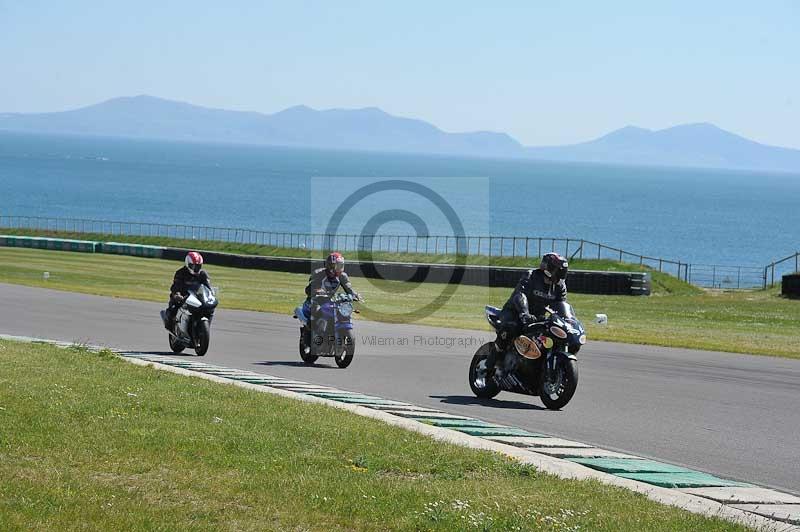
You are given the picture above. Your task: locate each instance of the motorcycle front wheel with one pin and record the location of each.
(344, 353)
(203, 338)
(558, 388)
(482, 386)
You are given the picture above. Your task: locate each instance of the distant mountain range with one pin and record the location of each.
(703, 145)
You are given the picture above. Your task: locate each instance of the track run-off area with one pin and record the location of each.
(734, 416)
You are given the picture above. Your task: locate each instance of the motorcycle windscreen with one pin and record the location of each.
(205, 294)
(564, 310)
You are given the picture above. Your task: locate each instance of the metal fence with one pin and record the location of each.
(725, 277)
(777, 269)
(492, 246)
(706, 275)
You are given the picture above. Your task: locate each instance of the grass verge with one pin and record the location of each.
(757, 322)
(91, 442)
(661, 282)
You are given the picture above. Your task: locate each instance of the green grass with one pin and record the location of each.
(661, 282)
(88, 441)
(757, 322)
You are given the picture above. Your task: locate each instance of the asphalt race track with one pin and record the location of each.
(736, 416)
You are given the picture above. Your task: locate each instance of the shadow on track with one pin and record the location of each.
(170, 354)
(491, 403)
(294, 364)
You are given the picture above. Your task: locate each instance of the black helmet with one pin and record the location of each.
(554, 267)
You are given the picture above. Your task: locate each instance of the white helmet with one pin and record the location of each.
(194, 262)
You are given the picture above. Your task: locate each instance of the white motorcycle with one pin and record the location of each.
(192, 327)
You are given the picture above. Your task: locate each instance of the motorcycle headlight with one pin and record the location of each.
(582, 339)
(346, 309)
(527, 347)
(558, 332)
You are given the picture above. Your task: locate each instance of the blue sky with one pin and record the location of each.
(545, 73)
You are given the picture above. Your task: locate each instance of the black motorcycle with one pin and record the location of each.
(192, 326)
(540, 361)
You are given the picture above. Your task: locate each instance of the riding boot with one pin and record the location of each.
(491, 359)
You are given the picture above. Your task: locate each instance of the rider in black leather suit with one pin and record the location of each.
(190, 274)
(536, 290)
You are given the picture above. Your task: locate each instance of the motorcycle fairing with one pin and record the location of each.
(513, 374)
(303, 314)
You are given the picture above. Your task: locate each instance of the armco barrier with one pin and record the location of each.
(136, 250)
(584, 282)
(790, 285)
(60, 244)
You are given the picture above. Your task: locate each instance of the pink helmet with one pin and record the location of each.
(334, 264)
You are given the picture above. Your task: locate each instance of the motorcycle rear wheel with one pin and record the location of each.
(176, 345)
(344, 354)
(203, 338)
(307, 358)
(557, 393)
(481, 386)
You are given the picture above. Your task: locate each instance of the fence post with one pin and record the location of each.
(540, 246)
(501, 246)
(527, 241)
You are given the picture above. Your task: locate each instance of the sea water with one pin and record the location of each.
(692, 215)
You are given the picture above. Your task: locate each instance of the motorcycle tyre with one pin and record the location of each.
(569, 368)
(203, 332)
(308, 359)
(491, 389)
(344, 355)
(176, 345)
